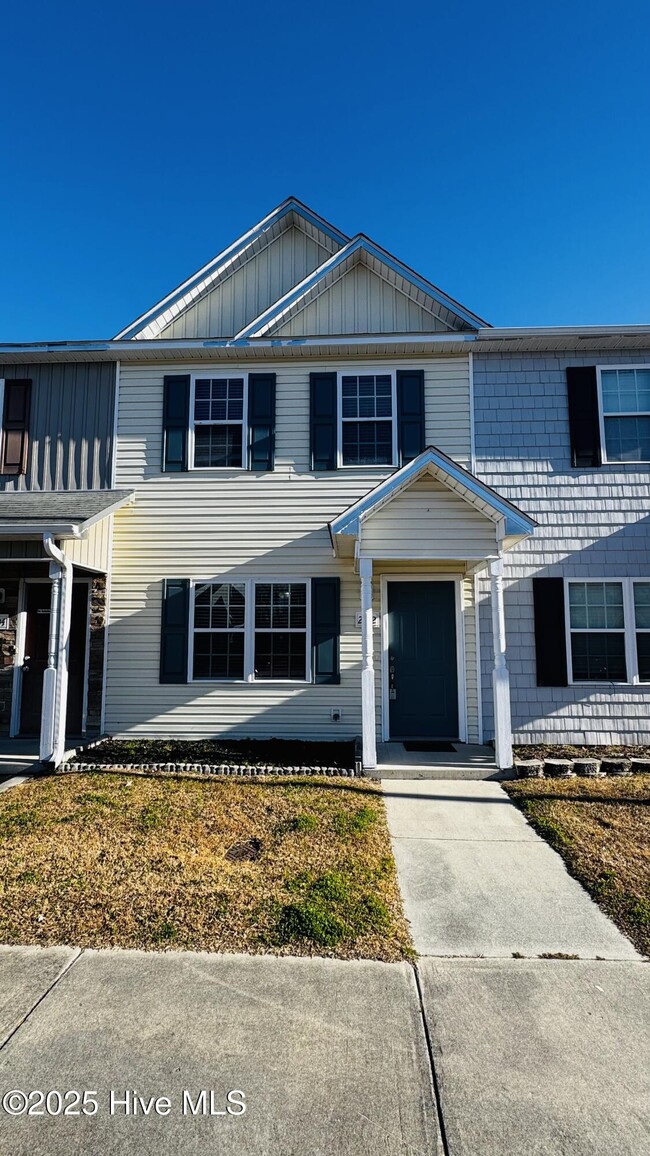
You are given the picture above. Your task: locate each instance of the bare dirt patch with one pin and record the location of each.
(288, 866)
(601, 828)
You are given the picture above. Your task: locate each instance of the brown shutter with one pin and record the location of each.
(15, 426)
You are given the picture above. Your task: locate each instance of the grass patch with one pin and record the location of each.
(295, 866)
(215, 752)
(332, 908)
(601, 828)
(354, 823)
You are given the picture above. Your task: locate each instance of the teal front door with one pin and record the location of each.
(422, 662)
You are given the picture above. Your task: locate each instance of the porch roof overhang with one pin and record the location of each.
(65, 515)
(512, 524)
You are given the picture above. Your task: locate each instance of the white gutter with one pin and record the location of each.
(55, 677)
(39, 530)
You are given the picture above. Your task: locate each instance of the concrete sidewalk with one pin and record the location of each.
(477, 881)
(541, 1057)
(331, 1056)
(527, 1057)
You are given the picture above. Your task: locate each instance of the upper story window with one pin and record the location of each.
(625, 413)
(218, 423)
(368, 435)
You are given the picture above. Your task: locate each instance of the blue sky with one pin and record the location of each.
(499, 149)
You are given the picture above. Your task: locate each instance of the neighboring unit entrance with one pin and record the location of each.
(37, 626)
(422, 660)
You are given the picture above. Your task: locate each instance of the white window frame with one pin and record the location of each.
(602, 417)
(249, 585)
(355, 371)
(628, 630)
(210, 375)
(638, 630)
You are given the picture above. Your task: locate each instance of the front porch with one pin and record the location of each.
(54, 557)
(417, 542)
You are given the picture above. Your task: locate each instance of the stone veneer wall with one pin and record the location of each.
(96, 661)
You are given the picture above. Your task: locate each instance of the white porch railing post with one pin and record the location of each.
(367, 667)
(500, 676)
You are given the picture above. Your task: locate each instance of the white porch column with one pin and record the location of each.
(55, 680)
(500, 676)
(367, 667)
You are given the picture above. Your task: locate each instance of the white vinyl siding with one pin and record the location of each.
(424, 520)
(234, 526)
(94, 550)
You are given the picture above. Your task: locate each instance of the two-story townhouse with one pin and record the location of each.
(57, 418)
(302, 556)
(357, 506)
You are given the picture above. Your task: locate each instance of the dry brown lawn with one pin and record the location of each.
(116, 860)
(601, 827)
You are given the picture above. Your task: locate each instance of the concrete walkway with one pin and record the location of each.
(477, 881)
(461, 1058)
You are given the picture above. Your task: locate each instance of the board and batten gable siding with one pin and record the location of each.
(362, 302)
(232, 525)
(424, 519)
(70, 427)
(593, 523)
(252, 288)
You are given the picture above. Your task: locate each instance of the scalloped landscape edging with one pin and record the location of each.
(225, 769)
(583, 767)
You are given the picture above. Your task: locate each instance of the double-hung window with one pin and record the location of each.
(281, 630)
(219, 630)
(218, 423)
(367, 425)
(625, 413)
(609, 631)
(250, 631)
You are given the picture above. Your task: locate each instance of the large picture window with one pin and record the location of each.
(218, 422)
(367, 406)
(625, 405)
(249, 631)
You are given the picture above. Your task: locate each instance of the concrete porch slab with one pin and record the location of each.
(468, 761)
(541, 1058)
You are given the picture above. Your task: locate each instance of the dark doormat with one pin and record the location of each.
(430, 747)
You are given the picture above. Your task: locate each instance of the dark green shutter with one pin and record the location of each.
(410, 414)
(323, 420)
(550, 636)
(175, 626)
(176, 421)
(325, 629)
(261, 421)
(584, 423)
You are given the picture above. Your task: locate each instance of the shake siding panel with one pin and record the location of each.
(234, 524)
(593, 524)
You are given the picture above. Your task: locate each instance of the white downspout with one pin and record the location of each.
(55, 677)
